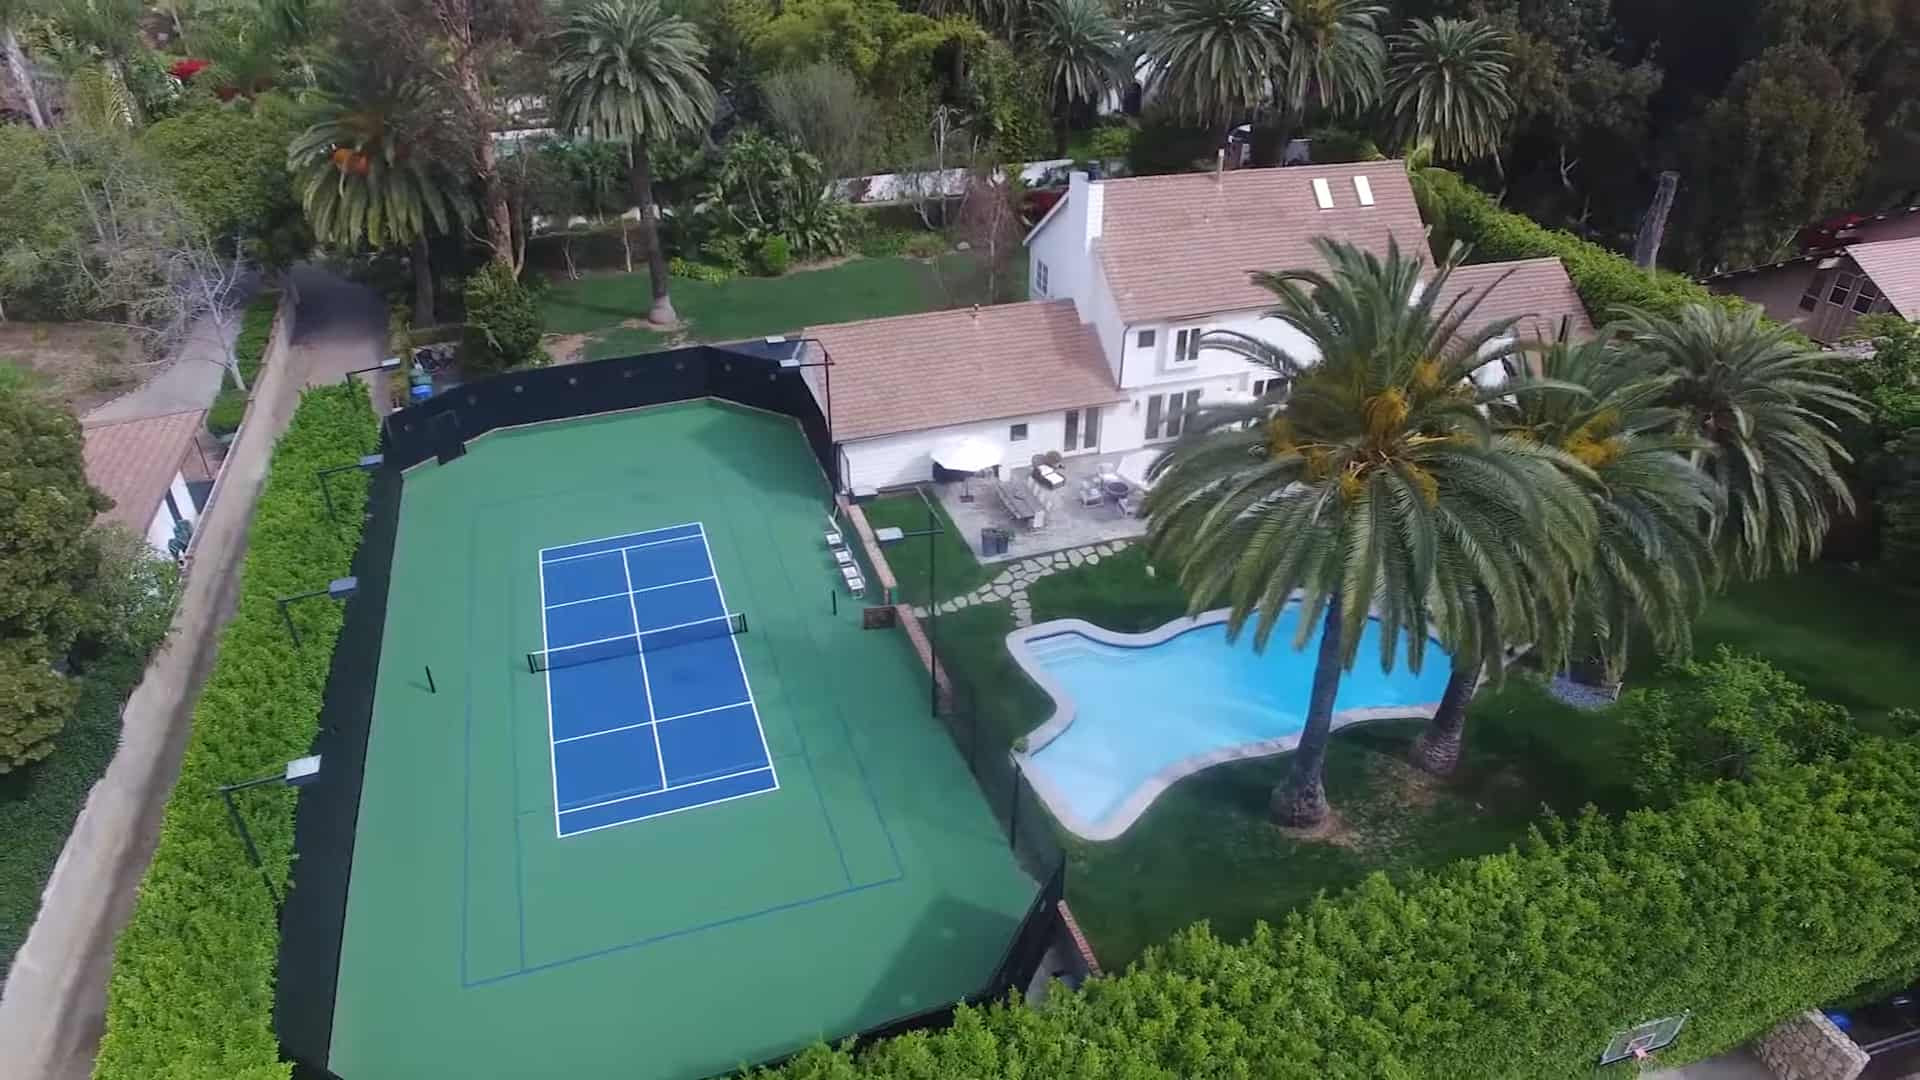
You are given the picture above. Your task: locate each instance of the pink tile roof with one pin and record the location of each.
(1894, 266)
(1535, 291)
(950, 367)
(134, 461)
(1183, 245)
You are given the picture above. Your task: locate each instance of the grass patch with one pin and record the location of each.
(1205, 850)
(38, 804)
(613, 307)
(959, 572)
(1838, 631)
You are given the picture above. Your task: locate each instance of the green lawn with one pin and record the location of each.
(1840, 632)
(612, 308)
(958, 571)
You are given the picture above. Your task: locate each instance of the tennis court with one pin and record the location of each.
(648, 706)
(666, 806)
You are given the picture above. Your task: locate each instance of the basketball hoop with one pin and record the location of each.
(1639, 1042)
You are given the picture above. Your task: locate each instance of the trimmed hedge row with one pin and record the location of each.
(250, 350)
(1605, 280)
(193, 976)
(1742, 906)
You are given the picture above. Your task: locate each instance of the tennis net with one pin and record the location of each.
(613, 648)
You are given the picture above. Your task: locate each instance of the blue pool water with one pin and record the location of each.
(1140, 709)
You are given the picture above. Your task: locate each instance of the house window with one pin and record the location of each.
(1040, 276)
(1842, 289)
(1261, 386)
(1017, 433)
(1166, 413)
(1863, 300)
(1154, 405)
(1145, 340)
(1073, 430)
(1186, 346)
(1090, 432)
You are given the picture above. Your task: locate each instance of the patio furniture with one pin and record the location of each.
(968, 456)
(835, 540)
(1092, 493)
(851, 574)
(889, 534)
(1117, 489)
(843, 556)
(1130, 505)
(1049, 476)
(1134, 468)
(1021, 506)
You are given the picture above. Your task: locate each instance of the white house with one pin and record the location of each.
(143, 466)
(1145, 266)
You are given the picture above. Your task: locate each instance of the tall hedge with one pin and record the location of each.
(1458, 211)
(1742, 906)
(193, 976)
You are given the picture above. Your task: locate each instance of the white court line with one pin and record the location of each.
(553, 755)
(620, 551)
(619, 536)
(644, 723)
(674, 787)
(646, 680)
(746, 683)
(611, 595)
(670, 813)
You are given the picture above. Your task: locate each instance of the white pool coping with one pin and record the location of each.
(1123, 816)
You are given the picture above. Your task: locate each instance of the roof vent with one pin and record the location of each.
(1322, 194)
(1363, 189)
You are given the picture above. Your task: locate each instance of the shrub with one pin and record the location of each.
(1458, 211)
(1114, 142)
(694, 271)
(1333, 145)
(925, 245)
(503, 322)
(773, 256)
(256, 332)
(228, 409)
(1164, 145)
(1742, 905)
(1732, 718)
(193, 973)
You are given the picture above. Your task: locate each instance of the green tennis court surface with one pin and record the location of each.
(871, 884)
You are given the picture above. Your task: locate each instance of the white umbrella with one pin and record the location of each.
(1133, 468)
(967, 454)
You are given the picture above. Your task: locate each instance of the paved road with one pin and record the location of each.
(53, 1009)
(190, 380)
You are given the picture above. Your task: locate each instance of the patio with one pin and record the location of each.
(1066, 521)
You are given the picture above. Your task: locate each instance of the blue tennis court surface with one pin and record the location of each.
(648, 706)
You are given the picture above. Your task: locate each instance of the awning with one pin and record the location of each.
(969, 454)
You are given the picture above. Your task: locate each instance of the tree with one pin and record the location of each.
(12, 14)
(822, 108)
(989, 221)
(1765, 408)
(39, 225)
(1374, 483)
(1331, 55)
(1081, 47)
(368, 171)
(1210, 60)
(48, 570)
(765, 188)
(1783, 147)
(230, 166)
(1447, 82)
(629, 71)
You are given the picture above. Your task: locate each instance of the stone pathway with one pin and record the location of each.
(1013, 582)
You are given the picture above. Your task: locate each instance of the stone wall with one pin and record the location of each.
(1810, 1047)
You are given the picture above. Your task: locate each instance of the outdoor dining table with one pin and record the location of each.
(1022, 506)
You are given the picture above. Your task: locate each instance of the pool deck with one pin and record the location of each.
(1111, 825)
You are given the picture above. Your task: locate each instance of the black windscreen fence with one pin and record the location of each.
(774, 377)
(329, 808)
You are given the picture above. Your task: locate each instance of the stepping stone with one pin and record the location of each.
(919, 612)
(1075, 557)
(1103, 549)
(1031, 566)
(1005, 577)
(1093, 558)
(1003, 591)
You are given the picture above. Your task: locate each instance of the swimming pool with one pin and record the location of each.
(1133, 713)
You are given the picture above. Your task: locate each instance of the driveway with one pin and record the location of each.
(188, 383)
(53, 1010)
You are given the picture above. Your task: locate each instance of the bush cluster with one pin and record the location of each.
(689, 270)
(1458, 211)
(503, 322)
(250, 351)
(1741, 905)
(193, 973)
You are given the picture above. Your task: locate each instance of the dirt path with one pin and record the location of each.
(189, 382)
(53, 1010)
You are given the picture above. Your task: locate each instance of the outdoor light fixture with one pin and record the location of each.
(391, 363)
(298, 773)
(933, 529)
(337, 589)
(365, 464)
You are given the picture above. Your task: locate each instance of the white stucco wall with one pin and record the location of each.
(907, 458)
(160, 527)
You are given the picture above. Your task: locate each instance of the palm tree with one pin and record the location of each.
(1375, 483)
(1081, 49)
(1765, 407)
(1331, 55)
(368, 170)
(1447, 81)
(1652, 565)
(629, 71)
(1212, 58)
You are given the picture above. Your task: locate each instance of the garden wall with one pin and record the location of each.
(1810, 1047)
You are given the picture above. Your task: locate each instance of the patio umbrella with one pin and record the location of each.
(1133, 468)
(967, 455)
